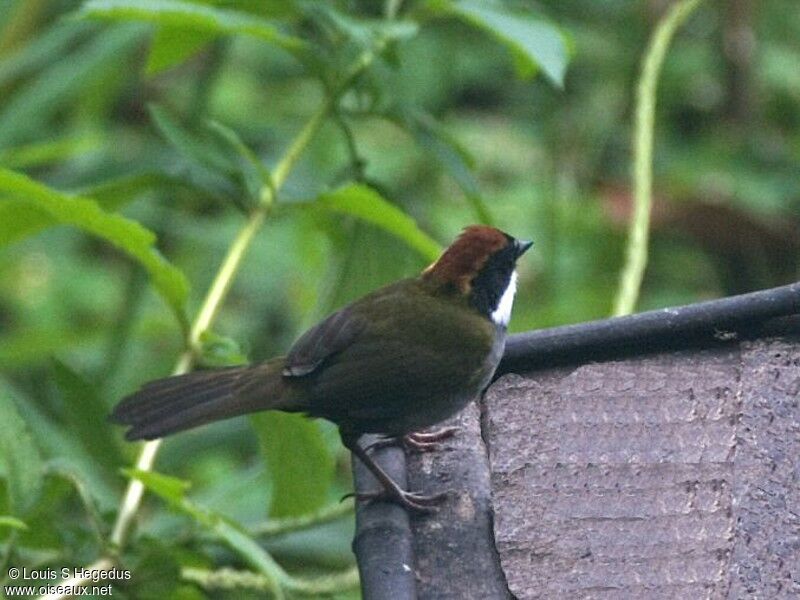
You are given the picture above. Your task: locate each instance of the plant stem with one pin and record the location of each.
(639, 230)
(205, 317)
(391, 8)
(276, 527)
(230, 579)
(216, 295)
(102, 564)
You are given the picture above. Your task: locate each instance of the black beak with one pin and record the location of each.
(522, 247)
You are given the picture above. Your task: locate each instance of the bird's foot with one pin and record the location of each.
(412, 501)
(419, 441)
(429, 440)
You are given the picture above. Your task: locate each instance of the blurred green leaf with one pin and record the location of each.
(209, 167)
(112, 194)
(42, 153)
(40, 50)
(533, 42)
(172, 45)
(20, 458)
(176, 13)
(63, 452)
(73, 475)
(188, 144)
(256, 175)
(85, 214)
(12, 522)
(19, 219)
(24, 111)
(449, 152)
(365, 33)
(435, 139)
(173, 491)
(82, 405)
(219, 351)
(364, 203)
(300, 464)
(156, 573)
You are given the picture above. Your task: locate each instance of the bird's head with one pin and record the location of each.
(481, 265)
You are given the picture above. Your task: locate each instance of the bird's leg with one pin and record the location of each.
(391, 491)
(421, 441)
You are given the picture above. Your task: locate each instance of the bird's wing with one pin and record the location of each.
(322, 341)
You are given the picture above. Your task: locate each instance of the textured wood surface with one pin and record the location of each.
(675, 475)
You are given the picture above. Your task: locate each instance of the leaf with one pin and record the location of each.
(115, 193)
(156, 573)
(82, 408)
(20, 458)
(172, 45)
(365, 33)
(188, 144)
(219, 351)
(12, 522)
(20, 219)
(173, 491)
(454, 157)
(256, 175)
(299, 461)
(167, 487)
(187, 15)
(208, 167)
(84, 213)
(364, 203)
(62, 81)
(73, 475)
(67, 452)
(42, 153)
(533, 42)
(40, 50)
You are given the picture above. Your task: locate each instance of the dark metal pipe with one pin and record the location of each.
(715, 321)
(383, 543)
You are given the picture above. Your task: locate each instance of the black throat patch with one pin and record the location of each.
(492, 280)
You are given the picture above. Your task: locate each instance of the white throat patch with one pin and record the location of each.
(502, 314)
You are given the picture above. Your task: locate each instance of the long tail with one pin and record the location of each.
(177, 403)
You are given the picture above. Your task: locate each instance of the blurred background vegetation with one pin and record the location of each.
(171, 114)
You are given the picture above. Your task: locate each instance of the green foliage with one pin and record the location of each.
(534, 43)
(290, 156)
(12, 522)
(366, 204)
(219, 351)
(189, 16)
(38, 206)
(82, 403)
(20, 459)
(61, 82)
(292, 445)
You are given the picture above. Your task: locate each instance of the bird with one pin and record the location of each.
(403, 358)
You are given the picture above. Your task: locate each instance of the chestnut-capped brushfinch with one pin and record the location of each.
(404, 357)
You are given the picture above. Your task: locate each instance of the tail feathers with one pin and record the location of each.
(182, 402)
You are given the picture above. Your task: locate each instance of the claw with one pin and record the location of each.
(437, 435)
(420, 441)
(413, 501)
